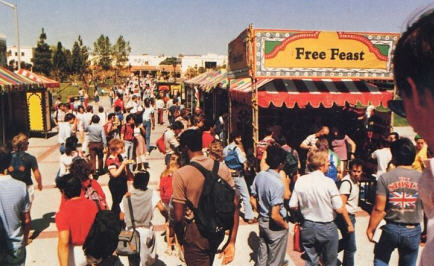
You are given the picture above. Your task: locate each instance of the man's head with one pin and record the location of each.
(177, 127)
(20, 142)
(420, 142)
(403, 152)
(5, 159)
(356, 169)
(324, 131)
(413, 65)
(130, 119)
(191, 140)
(392, 137)
(317, 160)
(275, 157)
(235, 137)
(69, 117)
(111, 117)
(69, 185)
(141, 180)
(89, 109)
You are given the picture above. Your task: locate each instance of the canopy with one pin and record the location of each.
(210, 80)
(49, 83)
(10, 79)
(195, 80)
(314, 92)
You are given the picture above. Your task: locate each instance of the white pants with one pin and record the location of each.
(147, 254)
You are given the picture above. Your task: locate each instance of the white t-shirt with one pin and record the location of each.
(147, 113)
(65, 162)
(383, 156)
(65, 132)
(351, 189)
(316, 196)
(310, 140)
(160, 104)
(102, 118)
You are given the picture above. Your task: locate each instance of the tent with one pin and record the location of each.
(46, 82)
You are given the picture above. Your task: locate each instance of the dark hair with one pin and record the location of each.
(322, 143)
(117, 108)
(147, 102)
(80, 168)
(234, 135)
(69, 185)
(89, 108)
(356, 162)
(268, 131)
(70, 145)
(80, 107)
(5, 158)
(100, 109)
(275, 156)
(403, 151)
(129, 116)
(396, 134)
(192, 138)
(69, 117)
(141, 180)
(95, 119)
(111, 115)
(413, 55)
(177, 125)
(281, 140)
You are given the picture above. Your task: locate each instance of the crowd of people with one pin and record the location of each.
(205, 176)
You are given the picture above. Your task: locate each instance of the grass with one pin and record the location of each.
(399, 121)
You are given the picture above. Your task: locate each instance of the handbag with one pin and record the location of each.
(129, 241)
(296, 238)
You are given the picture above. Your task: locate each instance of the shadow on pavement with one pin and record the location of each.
(41, 224)
(253, 242)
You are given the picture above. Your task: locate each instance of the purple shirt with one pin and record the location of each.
(339, 146)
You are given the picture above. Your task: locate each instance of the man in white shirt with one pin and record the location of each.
(170, 139)
(317, 198)
(148, 120)
(66, 129)
(310, 141)
(160, 108)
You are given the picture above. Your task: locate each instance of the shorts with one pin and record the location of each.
(31, 191)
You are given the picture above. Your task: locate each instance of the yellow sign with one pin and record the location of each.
(323, 54)
(34, 101)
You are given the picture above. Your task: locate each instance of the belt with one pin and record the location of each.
(317, 222)
(407, 225)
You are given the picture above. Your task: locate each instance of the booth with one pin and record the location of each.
(297, 81)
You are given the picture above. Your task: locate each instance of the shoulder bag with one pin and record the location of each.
(129, 241)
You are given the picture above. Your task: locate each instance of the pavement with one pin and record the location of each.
(43, 250)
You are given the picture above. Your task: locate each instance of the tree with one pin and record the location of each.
(169, 61)
(60, 63)
(121, 50)
(103, 51)
(80, 60)
(42, 56)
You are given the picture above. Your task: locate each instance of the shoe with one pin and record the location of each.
(151, 148)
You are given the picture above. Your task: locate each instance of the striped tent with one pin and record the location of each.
(46, 82)
(219, 78)
(9, 79)
(313, 92)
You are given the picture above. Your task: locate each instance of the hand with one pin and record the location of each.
(350, 229)
(370, 235)
(352, 157)
(228, 254)
(153, 127)
(40, 186)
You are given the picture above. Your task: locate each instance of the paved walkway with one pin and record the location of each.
(43, 250)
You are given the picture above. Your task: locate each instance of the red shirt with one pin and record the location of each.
(119, 103)
(77, 217)
(95, 185)
(207, 138)
(128, 132)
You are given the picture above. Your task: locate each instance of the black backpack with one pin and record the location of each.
(291, 163)
(215, 211)
(102, 239)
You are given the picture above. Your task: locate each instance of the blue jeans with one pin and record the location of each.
(129, 149)
(147, 126)
(320, 240)
(348, 241)
(241, 186)
(407, 241)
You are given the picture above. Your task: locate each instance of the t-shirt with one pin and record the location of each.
(426, 194)
(268, 189)
(65, 162)
(339, 146)
(14, 201)
(147, 113)
(77, 217)
(114, 163)
(128, 132)
(310, 140)
(170, 141)
(421, 156)
(188, 181)
(159, 103)
(207, 138)
(143, 203)
(400, 186)
(30, 163)
(383, 156)
(65, 131)
(351, 189)
(317, 196)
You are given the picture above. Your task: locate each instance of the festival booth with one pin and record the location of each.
(209, 92)
(296, 81)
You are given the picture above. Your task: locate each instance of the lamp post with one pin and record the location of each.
(14, 7)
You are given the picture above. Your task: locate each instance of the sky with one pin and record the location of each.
(193, 27)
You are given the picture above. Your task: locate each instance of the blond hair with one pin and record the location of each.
(215, 150)
(114, 143)
(172, 166)
(316, 159)
(19, 141)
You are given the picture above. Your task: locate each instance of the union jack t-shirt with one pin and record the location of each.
(400, 186)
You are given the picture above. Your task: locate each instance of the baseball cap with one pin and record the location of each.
(397, 106)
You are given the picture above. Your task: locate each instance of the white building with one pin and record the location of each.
(206, 61)
(145, 60)
(26, 54)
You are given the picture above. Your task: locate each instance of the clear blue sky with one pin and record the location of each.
(172, 27)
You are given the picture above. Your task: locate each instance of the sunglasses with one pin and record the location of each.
(397, 106)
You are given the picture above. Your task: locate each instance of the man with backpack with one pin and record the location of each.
(205, 204)
(235, 160)
(349, 191)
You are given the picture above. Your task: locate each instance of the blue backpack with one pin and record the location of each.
(232, 161)
(333, 169)
(17, 167)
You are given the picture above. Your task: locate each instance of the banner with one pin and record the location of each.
(323, 54)
(238, 54)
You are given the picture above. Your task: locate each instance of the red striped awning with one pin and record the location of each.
(313, 92)
(49, 83)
